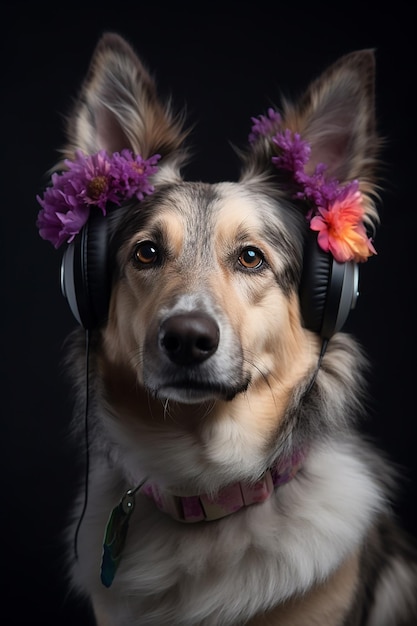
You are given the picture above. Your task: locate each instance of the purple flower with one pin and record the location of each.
(61, 206)
(91, 181)
(264, 125)
(91, 175)
(294, 152)
(323, 191)
(132, 173)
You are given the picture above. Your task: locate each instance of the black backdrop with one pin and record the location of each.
(225, 64)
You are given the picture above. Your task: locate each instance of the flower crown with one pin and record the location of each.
(91, 181)
(336, 211)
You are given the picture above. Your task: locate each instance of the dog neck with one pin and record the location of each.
(192, 508)
(229, 499)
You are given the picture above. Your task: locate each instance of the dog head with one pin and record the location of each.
(195, 289)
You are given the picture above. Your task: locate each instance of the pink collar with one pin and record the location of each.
(194, 508)
(203, 507)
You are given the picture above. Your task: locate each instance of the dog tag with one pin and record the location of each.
(115, 537)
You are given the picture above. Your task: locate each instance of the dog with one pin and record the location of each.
(219, 399)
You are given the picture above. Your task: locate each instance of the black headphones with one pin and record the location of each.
(328, 289)
(85, 275)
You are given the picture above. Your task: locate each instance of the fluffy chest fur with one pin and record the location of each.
(181, 574)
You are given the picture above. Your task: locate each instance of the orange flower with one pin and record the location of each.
(341, 229)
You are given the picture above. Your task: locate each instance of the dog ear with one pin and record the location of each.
(118, 107)
(336, 116)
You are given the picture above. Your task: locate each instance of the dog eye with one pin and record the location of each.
(251, 258)
(145, 253)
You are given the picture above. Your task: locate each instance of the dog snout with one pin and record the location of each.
(189, 338)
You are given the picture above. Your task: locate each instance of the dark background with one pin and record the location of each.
(225, 63)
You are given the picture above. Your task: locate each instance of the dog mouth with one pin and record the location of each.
(192, 391)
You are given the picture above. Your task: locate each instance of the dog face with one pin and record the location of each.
(204, 325)
(206, 301)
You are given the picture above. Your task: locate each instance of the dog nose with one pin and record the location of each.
(189, 338)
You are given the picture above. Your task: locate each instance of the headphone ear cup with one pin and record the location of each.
(85, 279)
(328, 289)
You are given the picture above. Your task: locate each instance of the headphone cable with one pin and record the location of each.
(86, 436)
